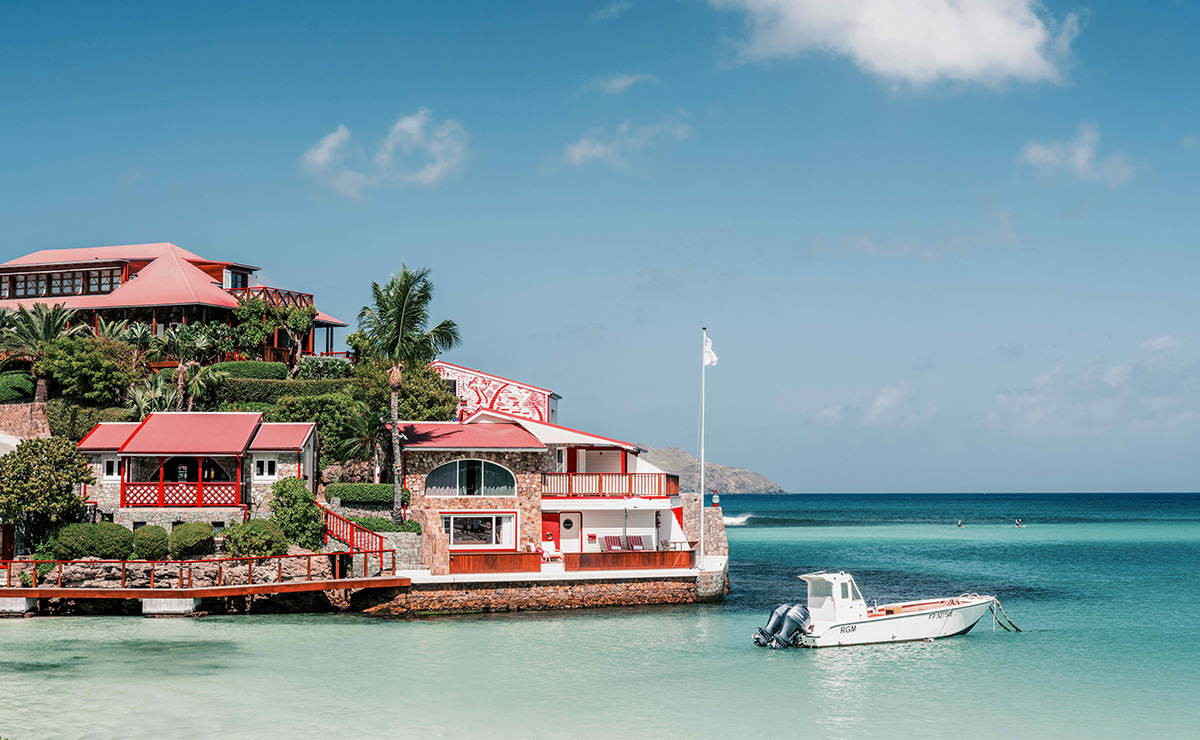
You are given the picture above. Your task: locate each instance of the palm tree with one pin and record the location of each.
(397, 326)
(199, 381)
(154, 393)
(188, 347)
(31, 329)
(115, 330)
(363, 439)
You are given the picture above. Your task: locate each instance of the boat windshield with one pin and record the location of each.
(854, 591)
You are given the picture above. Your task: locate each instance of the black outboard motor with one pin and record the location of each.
(763, 637)
(795, 621)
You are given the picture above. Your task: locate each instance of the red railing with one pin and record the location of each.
(357, 537)
(609, 484)
(160, 494)
(273, 296)
(228, 571)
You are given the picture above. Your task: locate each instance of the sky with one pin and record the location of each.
(938, 246)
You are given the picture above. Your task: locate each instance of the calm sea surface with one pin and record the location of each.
(1105, 587)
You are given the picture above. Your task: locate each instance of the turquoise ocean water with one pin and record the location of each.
(1105, 587)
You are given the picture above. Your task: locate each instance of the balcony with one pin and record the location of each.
(167, 493)
(273, 296)
(616, 485)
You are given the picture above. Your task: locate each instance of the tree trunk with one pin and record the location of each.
(180, 386)
(39, 392)
(394, 381)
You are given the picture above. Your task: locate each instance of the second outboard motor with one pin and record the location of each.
(795, 621)
(763, 637)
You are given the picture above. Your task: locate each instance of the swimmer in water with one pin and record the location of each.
(960, 522)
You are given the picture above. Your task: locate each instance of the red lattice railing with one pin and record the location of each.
(179, 494)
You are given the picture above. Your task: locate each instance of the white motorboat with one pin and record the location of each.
(837, 615)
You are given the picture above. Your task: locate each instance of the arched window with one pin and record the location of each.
(470, 478)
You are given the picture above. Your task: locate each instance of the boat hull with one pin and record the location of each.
(948, 621)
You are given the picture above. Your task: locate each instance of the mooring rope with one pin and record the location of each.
(997, 605)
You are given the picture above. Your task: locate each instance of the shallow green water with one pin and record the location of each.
(1106, 598)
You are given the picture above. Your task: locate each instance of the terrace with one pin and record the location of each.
(617, 485)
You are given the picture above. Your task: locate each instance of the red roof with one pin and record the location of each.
(107, 436)
(448, 435)
(171, 279)
(201, 433)
(281, 436)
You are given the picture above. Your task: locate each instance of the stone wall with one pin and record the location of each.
(24, 420)
(167, 517)
(522, 596)
(715, 542)
(526, 467)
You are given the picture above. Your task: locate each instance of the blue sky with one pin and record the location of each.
(939, 248)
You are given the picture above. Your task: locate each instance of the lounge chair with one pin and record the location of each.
(550, 552)
(635, 542)
(612, 543)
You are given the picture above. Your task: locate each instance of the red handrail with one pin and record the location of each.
(356, 536)
(184, 564)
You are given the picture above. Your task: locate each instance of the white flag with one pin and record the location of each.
(710, 357)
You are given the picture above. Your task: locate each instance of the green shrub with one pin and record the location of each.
(364, 493)
(88, 369)
(255, 537)
(323, 368)
(15, 385)
(230, 390)
(73, 421)
(297, 515)
(191, 540)
(377, 524)
(333, 413)
(106, 540)
(253, 369)
(150, 543)
(260, 408)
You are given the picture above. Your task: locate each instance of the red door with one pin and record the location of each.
(7, 537)
(550, 527)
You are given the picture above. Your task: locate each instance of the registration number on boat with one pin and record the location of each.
(940, 615)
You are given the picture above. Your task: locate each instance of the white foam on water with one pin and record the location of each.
(736, 520)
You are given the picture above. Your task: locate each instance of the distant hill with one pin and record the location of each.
(720, 477)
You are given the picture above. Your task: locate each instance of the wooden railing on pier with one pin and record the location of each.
(250, 571)
(610, 484)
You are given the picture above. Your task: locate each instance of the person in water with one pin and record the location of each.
(960, 522)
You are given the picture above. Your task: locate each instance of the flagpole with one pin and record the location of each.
(703, 368)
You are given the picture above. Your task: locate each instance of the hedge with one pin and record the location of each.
(253, 369)
(74, 421)
(376, 524)
(232, 390)
(15, 385)
(260, 408)
(323, 368)
(364, 493)
(255, 537)
(150, 543)
(106, 540)
(192, 540)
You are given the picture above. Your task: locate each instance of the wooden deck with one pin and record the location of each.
(200, 593)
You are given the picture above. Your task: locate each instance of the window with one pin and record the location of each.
(5, 287)
(483, 531)
(138, 525)
(23, 285)
(845, 590)
(110, 468)
(238, 280)
(264, 467)
(470, 478)
(451, 385)
(103, 281)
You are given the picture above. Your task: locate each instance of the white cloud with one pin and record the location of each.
(1150, 391)
(915, 41)
(615, 148)
(618, 84)
(417, 150)
(609, 12)
(894, 405)
(1078, 157)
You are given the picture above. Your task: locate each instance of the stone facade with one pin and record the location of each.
(527, 469)
(167, 517)
(428, 598)
(24, 420)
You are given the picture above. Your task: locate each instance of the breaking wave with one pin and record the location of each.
(733, 521)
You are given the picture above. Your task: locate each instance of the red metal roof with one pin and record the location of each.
(107, 436)
(281, 436)
(449, 435)
(201, 433)
(171, 279)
